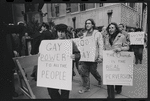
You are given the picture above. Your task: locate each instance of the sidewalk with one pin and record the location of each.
(138, 90)
(96, 92)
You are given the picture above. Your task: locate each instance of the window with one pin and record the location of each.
(109, 18)
(101, 4)
(82, 6)
(68, 7)
(57, 10)
(74, 7)
(29, 7)
(132, 5)
(89, 5)
(109, 13)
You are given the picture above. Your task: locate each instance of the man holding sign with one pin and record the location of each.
(86, 66)
(55, 64)
(137, 42)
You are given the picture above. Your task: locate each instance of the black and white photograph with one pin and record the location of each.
(74, 50)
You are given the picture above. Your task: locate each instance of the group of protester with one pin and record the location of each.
(113, 37)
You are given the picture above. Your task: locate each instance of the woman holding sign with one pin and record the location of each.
(117, 42)
(62, 34)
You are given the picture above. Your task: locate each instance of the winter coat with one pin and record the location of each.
(119, 41)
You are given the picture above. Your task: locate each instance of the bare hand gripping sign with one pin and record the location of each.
(55, 64)
(87, 48)
(118, 68)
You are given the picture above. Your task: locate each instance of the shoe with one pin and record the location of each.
(140, 62)
(83, 91)
(136, 62)
(110, 97)
(100, 83)
(15, 94)
(74, 74)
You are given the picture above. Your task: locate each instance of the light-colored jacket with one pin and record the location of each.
(119, 42)
(127, 36)
(99, 43)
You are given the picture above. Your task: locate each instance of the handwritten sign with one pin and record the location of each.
(136, 38)
(86, 47)
(118, 68)
(55, 64)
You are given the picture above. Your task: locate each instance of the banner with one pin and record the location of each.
(118, 68)
(55, 64)
(136, 38)
(86, 47)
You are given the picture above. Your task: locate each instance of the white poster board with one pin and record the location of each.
(118, 68)
(136, 38)
(55, 64)
(87, 48)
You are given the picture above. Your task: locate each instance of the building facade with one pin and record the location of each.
(26, 13)
(75, 14)
(133, 15)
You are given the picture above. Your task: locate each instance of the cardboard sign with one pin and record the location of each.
(136, 38)
(87, 48)
(118, 68)
(55, 64)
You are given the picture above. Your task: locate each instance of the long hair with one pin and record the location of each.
(113, 36)
(93, 23)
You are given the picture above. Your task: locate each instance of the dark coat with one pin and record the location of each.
(47, 35)
(37, 38)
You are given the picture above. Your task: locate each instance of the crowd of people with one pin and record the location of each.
(113, 37)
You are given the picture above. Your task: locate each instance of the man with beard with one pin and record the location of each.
(91, 67)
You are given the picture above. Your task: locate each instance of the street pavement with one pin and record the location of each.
(138, 90)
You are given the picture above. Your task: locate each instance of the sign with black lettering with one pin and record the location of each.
(87, 48)
(55, 64)
(118, 68)
(136, 38)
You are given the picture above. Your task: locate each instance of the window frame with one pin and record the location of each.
(82, 5)
(57, 10)
(134, 6)
(68, 7)
(101, 4)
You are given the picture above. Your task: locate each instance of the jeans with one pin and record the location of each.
(85, 69)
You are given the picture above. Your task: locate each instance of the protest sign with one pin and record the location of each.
(86, 47)
(118, 68)
(136, 38)
(55, 64)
